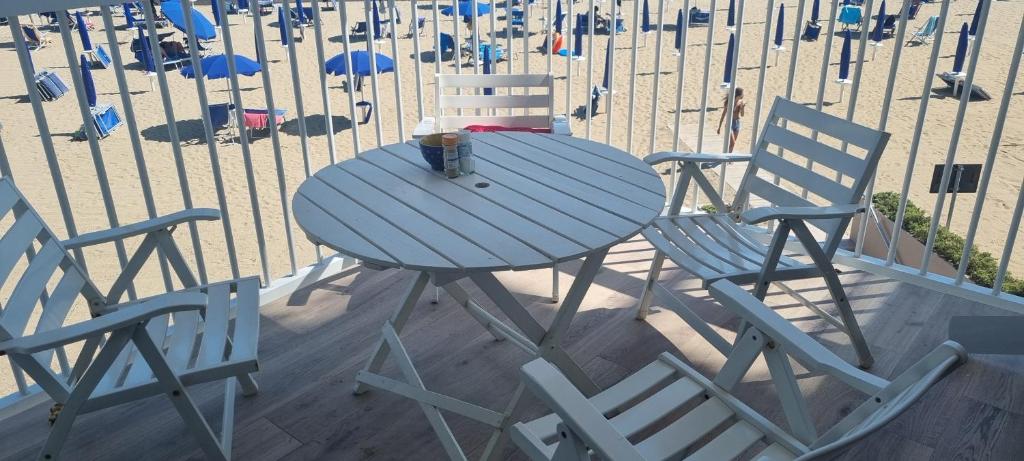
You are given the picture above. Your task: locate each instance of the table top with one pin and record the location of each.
(534, 200)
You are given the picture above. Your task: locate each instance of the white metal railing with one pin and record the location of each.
(249, 239)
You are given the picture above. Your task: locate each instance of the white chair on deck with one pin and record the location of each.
(518, 111)
(130, 350)
(724, 245)
(680, 414)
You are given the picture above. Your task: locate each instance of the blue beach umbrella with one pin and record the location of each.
(299, 11)
(815, 7)
(147, 51)
(360, 64)
(780, 24)
(974, 19)
(727, 76)
(876, 33)
(129, 18)
(961, 50)
(645, 26)
(465, 8)
(558, 16)
(577, 45)
(83, 32)
(376, 23)
(844, 57)
(174, 13)
(487, 68)
(679, 36)
(215, 67)
(281, 24)
(606, 81)
(90, 86)
(730, 19)
(215, 12)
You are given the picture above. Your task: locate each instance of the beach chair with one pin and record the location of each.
(811, 31)
(889, 26)
(130, 350)
(307, 16)
(925, 33)
(220, 114)
(698, 17)
(98, 57)
(34, 38)
(669, 410)
(266, 6)
(517, 19)
(367, 109)
(50, 86)
(106, 119)
(417, 28)
(725, 244)
(850, 15)
(447, 46)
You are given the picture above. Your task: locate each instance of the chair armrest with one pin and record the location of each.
(795, 342)
(424, 127)
(125, 316)
(555, 390)
(144, 227)
(695, 157)
(762, 214)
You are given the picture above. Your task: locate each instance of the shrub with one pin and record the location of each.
(981, 268)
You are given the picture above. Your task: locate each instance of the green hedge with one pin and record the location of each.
(982, 267)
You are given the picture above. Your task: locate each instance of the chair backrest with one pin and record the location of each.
(842, 168)
(40, 281)
(929, 27)
(539, 97)
(447, 43)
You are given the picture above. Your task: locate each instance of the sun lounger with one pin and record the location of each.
(34, 38)
(51, 87)
(698, 17)
(105, 119)
(98, 57)
(851, 15)
(926, 32)
(811, 31)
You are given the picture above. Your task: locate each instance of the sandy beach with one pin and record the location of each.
(21, 138)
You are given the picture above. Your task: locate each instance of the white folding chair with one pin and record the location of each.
(130, 350)
(680, 414)
(724, 244)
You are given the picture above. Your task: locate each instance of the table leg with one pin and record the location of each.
(397, 322)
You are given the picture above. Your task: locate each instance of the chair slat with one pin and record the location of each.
(675, 438)
(247, 320)
(808, 148)
(775, 452)
(215, 328)
(729, 444)
(140, 371)
(183, 337)
(655, 407)
(8, 198)
(56, 309)
(493, 80)
(723, 230)
(33, 281)
(827, 188)
(824, 123)
(468, 101)
(736, 254)
(683, 260)
(684, 244)
(507, 121)
(774, 194)
(15, 241)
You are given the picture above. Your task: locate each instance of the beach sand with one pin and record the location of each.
(77, 164)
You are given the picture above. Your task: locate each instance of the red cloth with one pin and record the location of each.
(259, 120)
(493, 128)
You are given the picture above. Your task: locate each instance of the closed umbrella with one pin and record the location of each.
(215, 12)
(83, 32)
(559, 16)
(961, 50)
(281, 24)
(360, 64)
(147, 52)
(727, 75)
(129, 18)
(844, 65)
(376, 23)
(300, 13)
(780, 25)
(815, 6)
(876, 33)
(172, 10)
(577, 45)
(679, 33)
(730, 19)
(215, 67)
(974, 19)
(645, 26)
(606, 82)
(487, 68)
(90, 86)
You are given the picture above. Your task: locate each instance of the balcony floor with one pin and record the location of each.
(314, 342)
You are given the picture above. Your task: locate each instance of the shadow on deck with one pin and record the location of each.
(313, 344)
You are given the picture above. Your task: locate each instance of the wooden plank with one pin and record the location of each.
(9, 196)
(451, 122)
(521, 156)
(684, 244)
(496, 240)
(492, 80)
(675, 438)
(403, 248)
(215, 326)
(182, 339)
(827, 188)
(736, 255)
(729, 444)
(140, 372)
(538, 236)
(247, 320)
(683, 260)
(25, 297)
(725, 232)
(15, 241)
(808, 148)
(324, 227)
(439, 236)
(566, 225)
(495, 101)
(656, 407)
(583, 155)
(831, 125)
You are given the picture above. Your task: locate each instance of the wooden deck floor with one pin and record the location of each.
(313, 343)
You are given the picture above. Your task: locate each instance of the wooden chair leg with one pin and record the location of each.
(648, 292)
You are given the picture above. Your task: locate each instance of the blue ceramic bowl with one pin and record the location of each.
(433, 152)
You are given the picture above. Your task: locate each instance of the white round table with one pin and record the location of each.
(535, 200)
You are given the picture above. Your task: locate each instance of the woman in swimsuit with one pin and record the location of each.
(737, 112)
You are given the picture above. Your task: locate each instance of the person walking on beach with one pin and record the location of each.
(737, 112)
